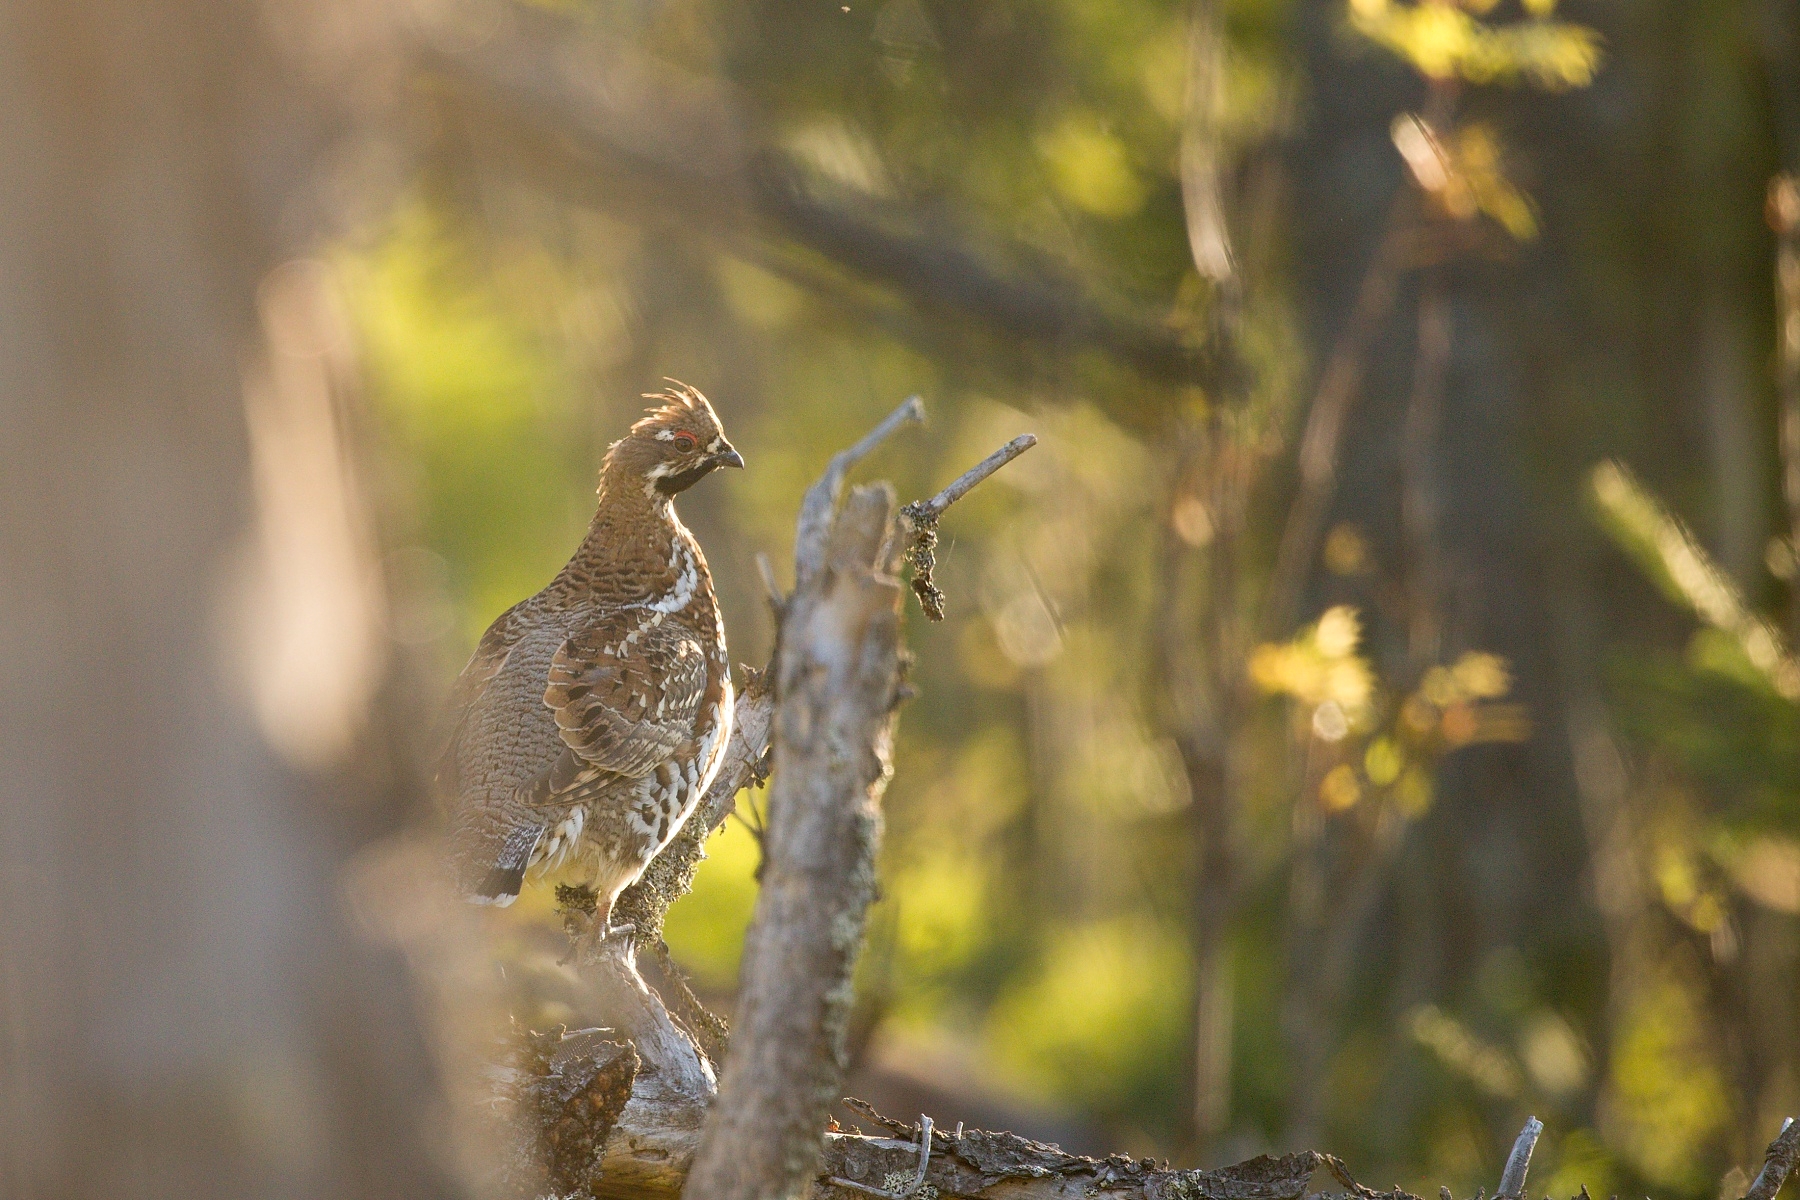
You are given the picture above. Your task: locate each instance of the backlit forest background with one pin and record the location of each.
(1369, 716)
(1244, 803)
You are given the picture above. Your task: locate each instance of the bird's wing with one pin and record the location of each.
(490, 655)
(626, 689)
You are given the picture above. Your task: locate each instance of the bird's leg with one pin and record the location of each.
(605, 931)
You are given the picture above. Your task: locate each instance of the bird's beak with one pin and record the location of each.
(728, 457)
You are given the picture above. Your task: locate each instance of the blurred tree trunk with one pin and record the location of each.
(183, 1009)
(1773, 939)
(1736, 442)
(1442, 491)
(1200, 642)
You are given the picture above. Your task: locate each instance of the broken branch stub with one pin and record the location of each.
(963, 484)
(813, 528)
(1512, 1178)
(838, 673)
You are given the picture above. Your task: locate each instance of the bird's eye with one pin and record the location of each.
(686, 441)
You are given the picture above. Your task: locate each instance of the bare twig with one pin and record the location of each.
(771, 587)
(755, 824)
(1782, 1156)
(813, 528)
(924, 1155)
(1512, 1179)
(1201, 143)
(707, 1028)
(934, 508)
(911, 409)
(922, 516)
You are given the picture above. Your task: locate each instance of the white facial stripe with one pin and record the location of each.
(651, 476)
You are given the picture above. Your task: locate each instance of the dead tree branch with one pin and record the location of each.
(839, 680)
(837, 677)
(1783, 1155)
(812, 532)
(1512, 1179)
(934, 508)
(980, 1165)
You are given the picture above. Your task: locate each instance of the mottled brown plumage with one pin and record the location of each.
(593, 715)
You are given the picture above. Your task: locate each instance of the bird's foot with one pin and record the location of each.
(595, 937)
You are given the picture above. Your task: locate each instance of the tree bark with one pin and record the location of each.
(837, 680)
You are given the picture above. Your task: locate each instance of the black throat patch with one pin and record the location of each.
(673, 485)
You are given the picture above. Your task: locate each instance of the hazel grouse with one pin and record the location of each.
(594, 714)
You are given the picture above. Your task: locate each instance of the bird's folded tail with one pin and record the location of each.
(498, 881)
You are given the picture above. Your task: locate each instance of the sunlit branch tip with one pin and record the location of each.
(912, 409)
(1782, 1157)
(816, 507)
(1512, 1179)
(771, 587)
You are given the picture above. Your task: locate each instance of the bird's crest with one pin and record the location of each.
(679, 402)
